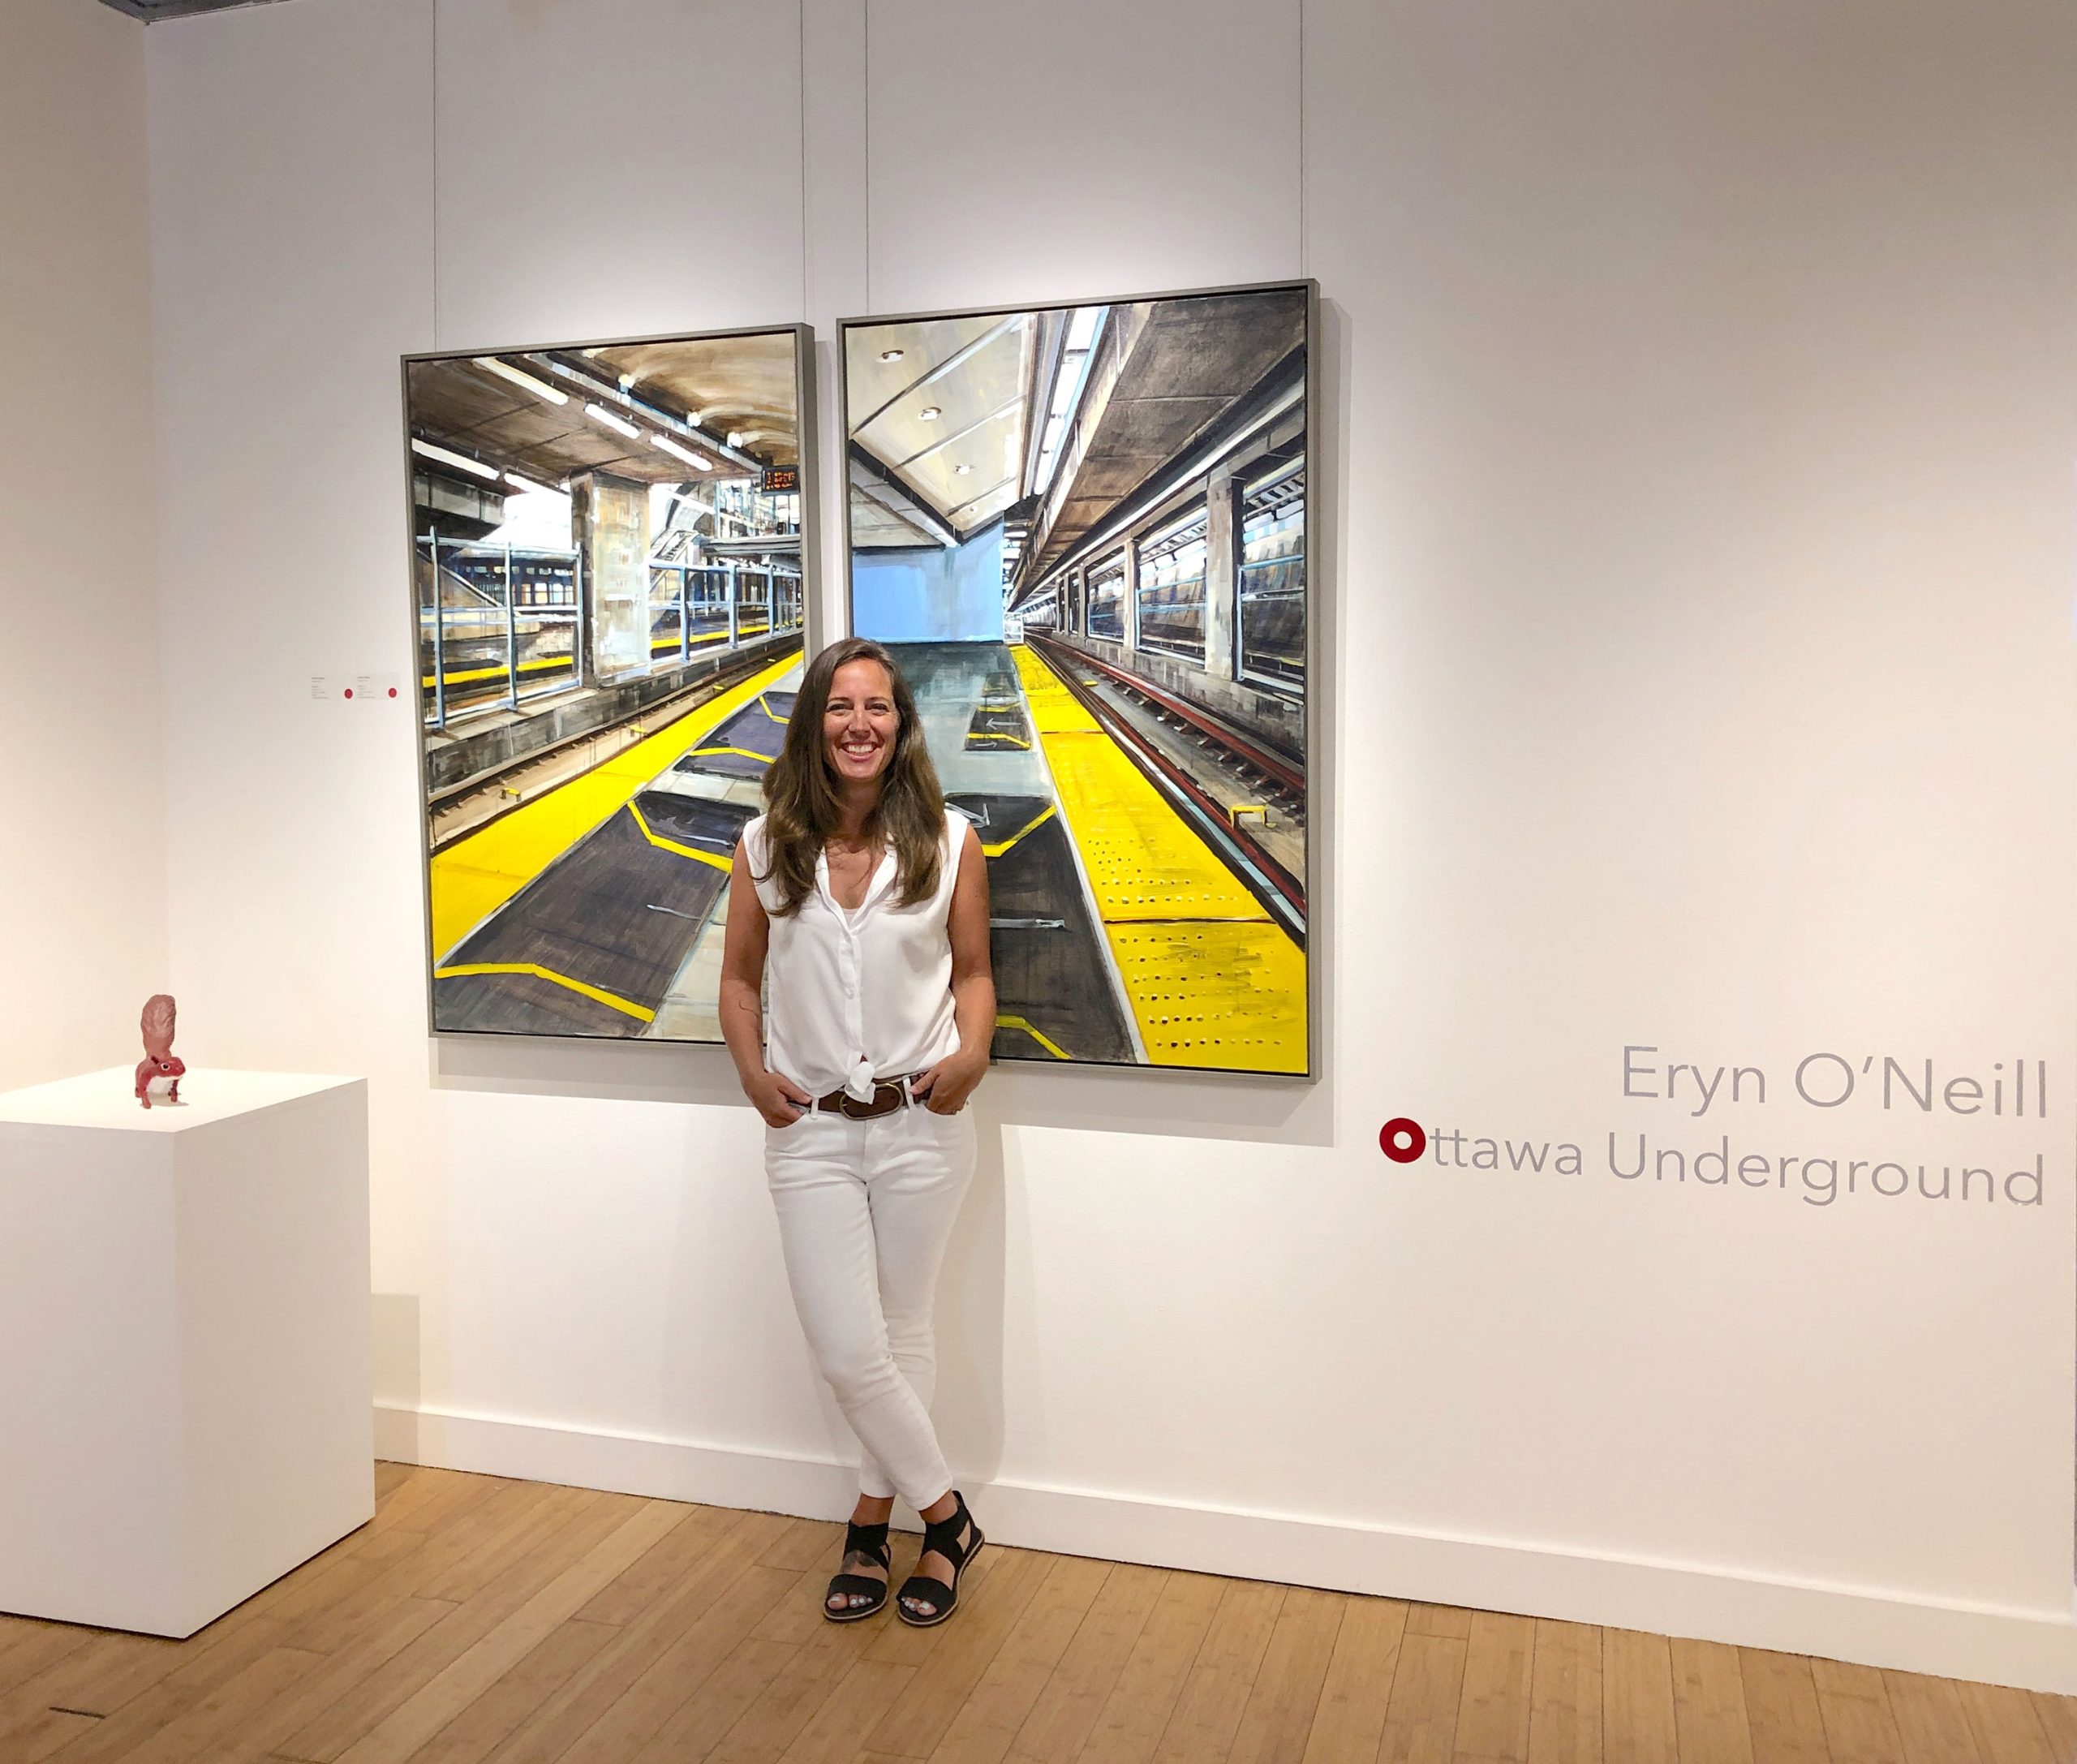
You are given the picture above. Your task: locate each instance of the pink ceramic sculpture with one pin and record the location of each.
(160, 1072)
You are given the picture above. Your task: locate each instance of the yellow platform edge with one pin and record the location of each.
(1212, 980)
(472, 878)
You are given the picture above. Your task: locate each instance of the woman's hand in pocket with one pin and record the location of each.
(944, 1088)
(777, 1098)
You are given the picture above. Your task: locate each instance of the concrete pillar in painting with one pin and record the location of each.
(1222, 573)
(1128, 611)
(609, 522)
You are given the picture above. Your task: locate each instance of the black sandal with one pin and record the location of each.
(942, 1536)
(870, 1542)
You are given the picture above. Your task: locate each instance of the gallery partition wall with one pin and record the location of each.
(1679, 692)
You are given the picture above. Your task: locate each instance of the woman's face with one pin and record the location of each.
(860, 722)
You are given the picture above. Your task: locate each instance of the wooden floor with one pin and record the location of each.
(481, 1619)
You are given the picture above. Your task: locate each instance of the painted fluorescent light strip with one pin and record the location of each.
(1079, 343)
(447, 458)
(599, 414)
(505, 371)
(685, 453)
(528, 485)
(688, 425)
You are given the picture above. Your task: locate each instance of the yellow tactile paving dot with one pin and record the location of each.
(1217, 995)
(472, 878)
(1143, 861)
(1211, 979)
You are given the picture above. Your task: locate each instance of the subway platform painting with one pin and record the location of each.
(606, 559)
(1081, 530)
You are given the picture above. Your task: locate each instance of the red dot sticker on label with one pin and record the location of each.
(348, 693)
(392, 692)
(1401, 1139)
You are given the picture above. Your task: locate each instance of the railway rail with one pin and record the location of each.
(1257, 773)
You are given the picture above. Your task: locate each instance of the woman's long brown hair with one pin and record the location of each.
(802, 805)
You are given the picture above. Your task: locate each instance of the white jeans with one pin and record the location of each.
(865, 1210)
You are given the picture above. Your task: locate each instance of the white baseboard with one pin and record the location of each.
(2034, 1649)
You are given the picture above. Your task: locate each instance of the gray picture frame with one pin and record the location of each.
(808, 453)
(1319, 555)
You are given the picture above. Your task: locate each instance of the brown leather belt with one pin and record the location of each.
(888, 1095)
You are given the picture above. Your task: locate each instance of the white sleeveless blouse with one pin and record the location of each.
(851, 997)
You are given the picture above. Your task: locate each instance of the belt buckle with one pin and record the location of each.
(888, 1095)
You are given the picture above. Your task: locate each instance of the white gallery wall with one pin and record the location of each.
(1696, 613)
(82, 816)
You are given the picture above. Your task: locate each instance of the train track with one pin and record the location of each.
(1258, 775)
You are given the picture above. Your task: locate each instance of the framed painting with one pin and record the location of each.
(1082, 532)
(609, 549)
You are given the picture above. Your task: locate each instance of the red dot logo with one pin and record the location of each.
(1401, 1139)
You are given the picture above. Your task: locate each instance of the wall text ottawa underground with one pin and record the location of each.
(2008, 1090)
(1818, 1182)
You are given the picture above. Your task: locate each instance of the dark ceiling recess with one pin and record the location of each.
(151, 10)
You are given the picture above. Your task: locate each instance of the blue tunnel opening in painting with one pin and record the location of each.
(929, 594)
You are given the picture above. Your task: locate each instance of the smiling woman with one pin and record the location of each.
(864, 902)
(855, 739)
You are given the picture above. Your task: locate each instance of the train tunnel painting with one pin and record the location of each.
(1081, 529)
(606, 546)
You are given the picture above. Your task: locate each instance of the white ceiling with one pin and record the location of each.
(947, 418)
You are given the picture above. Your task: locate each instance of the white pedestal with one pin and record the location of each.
(185, 1403)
